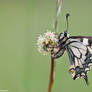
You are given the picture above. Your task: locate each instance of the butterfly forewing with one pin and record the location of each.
(83, 39)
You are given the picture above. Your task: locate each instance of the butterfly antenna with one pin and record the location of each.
(67, 15)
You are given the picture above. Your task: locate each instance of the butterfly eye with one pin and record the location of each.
(65, 33)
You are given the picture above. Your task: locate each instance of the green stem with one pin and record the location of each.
(51, 81)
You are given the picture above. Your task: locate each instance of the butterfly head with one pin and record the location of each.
(63, 36)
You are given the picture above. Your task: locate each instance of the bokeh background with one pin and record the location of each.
(22, 67)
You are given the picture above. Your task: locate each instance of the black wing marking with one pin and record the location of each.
(81, 38)
(80, 57)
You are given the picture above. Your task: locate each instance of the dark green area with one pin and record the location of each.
(22, 68)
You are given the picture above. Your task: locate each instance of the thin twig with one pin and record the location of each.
(51, 75)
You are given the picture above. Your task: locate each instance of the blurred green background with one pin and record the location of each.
(22, 68)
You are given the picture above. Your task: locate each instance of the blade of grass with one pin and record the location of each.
(58, 10)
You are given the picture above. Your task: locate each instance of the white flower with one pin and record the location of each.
(48, 43)
(40, 44)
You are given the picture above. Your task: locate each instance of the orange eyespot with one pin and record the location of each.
(72, 71)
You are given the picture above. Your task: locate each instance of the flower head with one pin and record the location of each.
(47, 43)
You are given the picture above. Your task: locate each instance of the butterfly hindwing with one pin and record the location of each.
(80, 55)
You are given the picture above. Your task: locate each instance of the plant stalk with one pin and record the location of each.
(51, 81)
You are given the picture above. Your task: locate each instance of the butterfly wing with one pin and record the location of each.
(83, 39)
(80, 56)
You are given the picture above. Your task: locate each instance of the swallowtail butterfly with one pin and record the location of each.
(79, 50)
